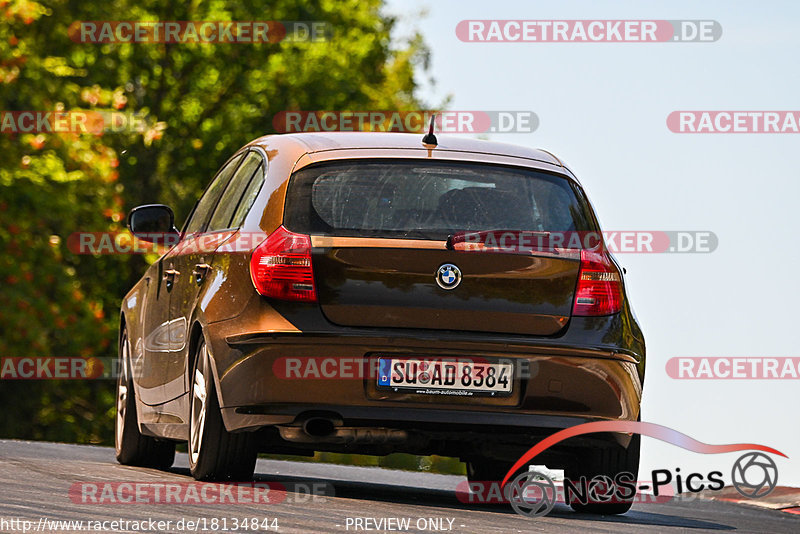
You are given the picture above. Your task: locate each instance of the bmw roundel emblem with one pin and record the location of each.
(448, 276)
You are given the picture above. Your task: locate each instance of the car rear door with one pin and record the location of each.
(178, 280)
(195, 259)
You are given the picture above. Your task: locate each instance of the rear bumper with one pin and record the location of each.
(256, 416)
(565, 384)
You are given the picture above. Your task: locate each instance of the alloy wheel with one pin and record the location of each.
(197, 422)
(122, 394)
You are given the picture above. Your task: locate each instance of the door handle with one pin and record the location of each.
(200, 271)
(169, 277)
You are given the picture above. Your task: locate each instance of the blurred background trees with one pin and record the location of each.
(201, 102)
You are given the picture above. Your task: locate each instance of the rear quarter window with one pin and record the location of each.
(208, 201)
(230, 200)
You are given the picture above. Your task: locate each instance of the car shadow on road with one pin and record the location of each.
(440, 498)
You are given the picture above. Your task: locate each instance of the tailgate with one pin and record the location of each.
(374, 285)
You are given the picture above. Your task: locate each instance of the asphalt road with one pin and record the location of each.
(42, 482)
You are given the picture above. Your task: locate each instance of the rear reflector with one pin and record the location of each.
(280, 267)
(599, 289)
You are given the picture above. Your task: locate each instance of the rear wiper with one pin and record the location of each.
(421, 233)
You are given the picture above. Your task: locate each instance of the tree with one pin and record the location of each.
(201, 102)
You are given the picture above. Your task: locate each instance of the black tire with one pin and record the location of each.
(487, 470)
(607, 462)
(214, 453)
(131, 446)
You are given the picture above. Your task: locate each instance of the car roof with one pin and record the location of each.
(298, 144)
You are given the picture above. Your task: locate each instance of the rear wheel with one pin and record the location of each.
(487, 470)
(133, 447)
(608, 463)
(215, 453)
(484, 476)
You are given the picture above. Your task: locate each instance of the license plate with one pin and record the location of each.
(462, 376)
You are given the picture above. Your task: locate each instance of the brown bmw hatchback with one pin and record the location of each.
(368, 293)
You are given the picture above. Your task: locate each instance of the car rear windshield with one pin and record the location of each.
(430, 200)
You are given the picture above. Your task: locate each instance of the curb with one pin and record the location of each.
(782, 498)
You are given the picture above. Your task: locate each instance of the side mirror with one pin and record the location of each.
(153, 223)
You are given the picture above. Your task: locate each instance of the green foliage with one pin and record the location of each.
(202, 102)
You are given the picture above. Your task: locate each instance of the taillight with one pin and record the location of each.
(281, 267)
(599, 289)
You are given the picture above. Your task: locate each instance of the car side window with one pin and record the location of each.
(226, 207)
(248, 197)
(205, 206)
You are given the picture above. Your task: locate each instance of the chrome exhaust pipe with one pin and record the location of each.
(319, 427)
(324, 430)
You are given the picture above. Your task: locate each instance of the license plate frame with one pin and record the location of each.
(449, 368)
